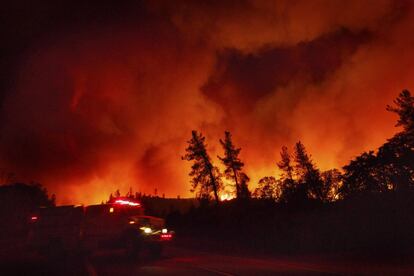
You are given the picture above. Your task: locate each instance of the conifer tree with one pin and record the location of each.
(285, 164)
(244, 187)
(234, 166)
(288, 184)
(404, 108)
(308, 174)
(205, 176)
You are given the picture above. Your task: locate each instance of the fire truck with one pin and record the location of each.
(120, 224)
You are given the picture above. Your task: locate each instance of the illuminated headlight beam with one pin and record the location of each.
(147, 230)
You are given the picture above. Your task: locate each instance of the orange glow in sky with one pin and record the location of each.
(100, 105)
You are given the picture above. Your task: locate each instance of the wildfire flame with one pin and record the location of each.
(226, 196)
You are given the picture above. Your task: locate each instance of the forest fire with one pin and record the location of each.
(109, 104)
(244, 137)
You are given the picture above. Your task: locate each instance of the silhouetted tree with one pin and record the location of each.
(205, 176)
(307, 173)
(285, 164)
(397, 154)
(130, 194)
(268, 188)
(25, 195)
(392, 167)
(404, 107)
(111, 198)
(331, 183)
(234, 166)
(52, 200)
(396, 161)
(244, 187)
(363, 174)
(288, 184)
(17, 202)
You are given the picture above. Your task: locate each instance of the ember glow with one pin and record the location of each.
(99, 98)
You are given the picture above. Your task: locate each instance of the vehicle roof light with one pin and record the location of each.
(127, 202)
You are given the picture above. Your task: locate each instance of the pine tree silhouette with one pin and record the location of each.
(205, 176)
(234, 166)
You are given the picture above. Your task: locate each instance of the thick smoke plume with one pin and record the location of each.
(101, 102)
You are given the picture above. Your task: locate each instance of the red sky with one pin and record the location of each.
(101, 96)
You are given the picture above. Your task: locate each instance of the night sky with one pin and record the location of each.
(100, 95)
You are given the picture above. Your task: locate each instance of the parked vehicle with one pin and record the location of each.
(120, 224)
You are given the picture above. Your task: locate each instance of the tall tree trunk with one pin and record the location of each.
(237, 183)
(212, 179)
(214, 184)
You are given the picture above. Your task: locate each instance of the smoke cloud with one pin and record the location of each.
(107, 99)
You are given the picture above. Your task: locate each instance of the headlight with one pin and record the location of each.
(164, 231)
(146, 230)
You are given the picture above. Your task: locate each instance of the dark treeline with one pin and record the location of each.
(366, 206)
(18, 201)
(389, 169)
